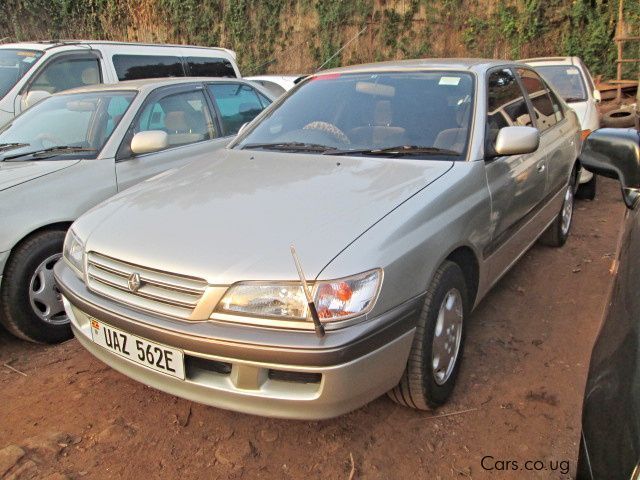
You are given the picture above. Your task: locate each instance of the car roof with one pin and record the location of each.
(471, 64)
(549, 61)
(49, 44)
(274, 77)
(146, 84)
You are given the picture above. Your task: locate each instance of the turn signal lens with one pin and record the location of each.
(347, 297)
(584, 134)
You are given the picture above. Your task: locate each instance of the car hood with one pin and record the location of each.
(15, 173)
(234, 217)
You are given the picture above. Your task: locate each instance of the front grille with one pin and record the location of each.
(160, 292)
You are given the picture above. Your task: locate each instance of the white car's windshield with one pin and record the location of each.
(13, 66)
(567, 80)
(65, 124)
(413, 114)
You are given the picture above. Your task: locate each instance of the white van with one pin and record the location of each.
(31, 71)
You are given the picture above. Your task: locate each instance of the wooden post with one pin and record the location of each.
(620, 42)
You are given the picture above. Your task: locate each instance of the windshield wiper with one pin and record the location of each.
(11, 146)
(399, 150)
(50, 152)
(291, 146)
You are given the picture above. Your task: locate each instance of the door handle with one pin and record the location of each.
(541, 167)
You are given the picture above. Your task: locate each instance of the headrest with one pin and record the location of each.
(176, 122)
(90, 76)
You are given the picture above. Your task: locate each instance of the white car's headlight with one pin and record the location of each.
(73, 252)
(335, 299)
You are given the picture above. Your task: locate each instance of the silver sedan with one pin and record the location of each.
(407, 189)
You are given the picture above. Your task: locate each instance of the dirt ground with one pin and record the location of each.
(518, 399)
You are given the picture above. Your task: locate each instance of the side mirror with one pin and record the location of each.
(149, 141)
(243, 128)
(615, 153)
(33, 97)
(597, 96)
(517, 140)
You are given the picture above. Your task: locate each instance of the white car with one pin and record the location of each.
(34, 70)
(73, 150)
(276, 84)
(571, 79)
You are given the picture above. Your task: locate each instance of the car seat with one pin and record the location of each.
(178, 129)
(380, 133)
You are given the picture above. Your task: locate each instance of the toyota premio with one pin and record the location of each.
(406, 189)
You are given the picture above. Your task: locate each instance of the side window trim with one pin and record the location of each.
(213, 110)
(122, 154)
(60, 57)
(527, 99)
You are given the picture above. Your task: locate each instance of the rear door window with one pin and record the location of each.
(547, 113)
(238, 104)
(210, 67)
(134, 67)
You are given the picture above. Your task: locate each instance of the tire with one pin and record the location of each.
(619, 118)
(422, 386)
(25, 295)
(557, 233)
(587, 191)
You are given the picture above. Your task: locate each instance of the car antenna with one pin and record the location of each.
(312, 306)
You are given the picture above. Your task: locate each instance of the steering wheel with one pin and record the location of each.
(330, 129)
(50, 138)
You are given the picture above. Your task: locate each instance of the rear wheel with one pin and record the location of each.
(557, 233)
(436, 353)
(30, 303)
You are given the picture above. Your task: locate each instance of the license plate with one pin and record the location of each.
(155, 356)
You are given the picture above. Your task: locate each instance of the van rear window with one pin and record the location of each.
(210, 67)
(134, 67)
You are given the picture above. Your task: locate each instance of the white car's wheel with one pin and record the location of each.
(30, 304)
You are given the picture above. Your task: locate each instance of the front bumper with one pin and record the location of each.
(267, 372)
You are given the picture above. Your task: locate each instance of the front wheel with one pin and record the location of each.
(436, 353)
(30, 303)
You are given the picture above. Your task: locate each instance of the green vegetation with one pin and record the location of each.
(288, 35)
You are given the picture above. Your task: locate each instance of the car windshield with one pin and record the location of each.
(65, 124)
(13, 65)
(567, 80)
(409, 114)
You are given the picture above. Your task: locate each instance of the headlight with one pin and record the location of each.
(73, 252)
(335, 299)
